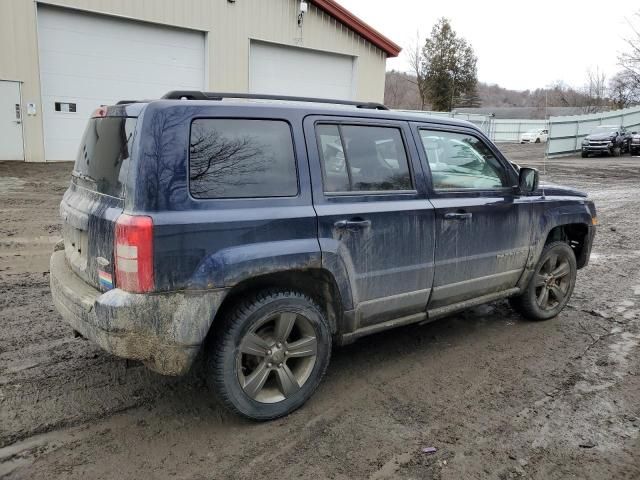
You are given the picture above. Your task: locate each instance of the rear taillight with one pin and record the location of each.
(134, 253)
(99, 112)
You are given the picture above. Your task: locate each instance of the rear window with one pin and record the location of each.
(234, 158)
(103, 159)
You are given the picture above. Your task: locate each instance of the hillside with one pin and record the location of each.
(401, 92)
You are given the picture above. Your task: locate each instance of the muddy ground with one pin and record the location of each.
(498, 396)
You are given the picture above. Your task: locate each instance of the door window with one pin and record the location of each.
(363, 158)
(461, 161)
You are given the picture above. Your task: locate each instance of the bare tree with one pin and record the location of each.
(416, 63)
(595, 92)
(624, 87)
(624, 90)
(630, 61)
(395, 89)
(401, 91)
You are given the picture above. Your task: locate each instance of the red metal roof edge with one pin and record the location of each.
(369, 33)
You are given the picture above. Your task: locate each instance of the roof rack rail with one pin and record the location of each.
(197, 95)
(126, 102)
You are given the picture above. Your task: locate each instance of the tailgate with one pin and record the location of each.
(95, 198)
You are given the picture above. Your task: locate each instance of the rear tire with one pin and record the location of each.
(551, 284)
(270, 354)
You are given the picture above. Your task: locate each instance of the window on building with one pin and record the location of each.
(65, 107)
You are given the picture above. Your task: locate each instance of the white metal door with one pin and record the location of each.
(88, 60)
(283, 70)
(11, 146)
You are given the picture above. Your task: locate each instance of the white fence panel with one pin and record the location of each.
(509, 130)
(503, 130)
(483, 122)
(566, 133)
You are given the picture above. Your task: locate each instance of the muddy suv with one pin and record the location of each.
(262, 232)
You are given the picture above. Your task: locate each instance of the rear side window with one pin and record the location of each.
(234, 158)
(103, 159)
(363, 158)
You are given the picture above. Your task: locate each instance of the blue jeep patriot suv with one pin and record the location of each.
(261, 231)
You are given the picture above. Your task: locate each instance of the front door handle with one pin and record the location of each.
(353, 224)
(458, 216)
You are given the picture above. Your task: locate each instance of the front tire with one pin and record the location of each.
(270, 354)
(585, 155)
(551, 284)
(617, 151)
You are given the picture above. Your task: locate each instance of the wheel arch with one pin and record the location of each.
(577, 236)
(574, 227)
(317, 283)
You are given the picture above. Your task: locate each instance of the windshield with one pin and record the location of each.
(604, 129)
(103, 158)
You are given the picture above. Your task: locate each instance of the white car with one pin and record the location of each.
(535, 136)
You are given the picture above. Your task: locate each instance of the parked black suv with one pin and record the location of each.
(264, 231)
(634, 144)
(610, 139)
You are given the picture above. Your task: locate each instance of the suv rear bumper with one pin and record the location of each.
(163, 330)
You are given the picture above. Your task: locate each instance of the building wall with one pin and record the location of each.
(229, 27)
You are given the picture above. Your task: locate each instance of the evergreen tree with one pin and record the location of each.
(448, 67)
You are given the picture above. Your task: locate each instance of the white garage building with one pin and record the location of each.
(61, 59)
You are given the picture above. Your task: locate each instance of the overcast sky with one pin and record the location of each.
(520, 45)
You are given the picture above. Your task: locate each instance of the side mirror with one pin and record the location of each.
(528, 180)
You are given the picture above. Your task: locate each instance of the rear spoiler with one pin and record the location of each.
(119, 110)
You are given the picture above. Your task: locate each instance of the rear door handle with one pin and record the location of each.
(346, 224)
(458, 216)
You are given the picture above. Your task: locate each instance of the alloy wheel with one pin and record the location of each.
(552, 282)
(276, 357)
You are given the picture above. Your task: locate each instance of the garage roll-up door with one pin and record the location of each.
(88, 60)
(282, 70)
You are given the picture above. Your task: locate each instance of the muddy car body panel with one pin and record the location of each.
(165, 331)
(372, 258)
(556, 214)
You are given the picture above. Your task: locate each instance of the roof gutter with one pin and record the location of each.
(344, 16)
